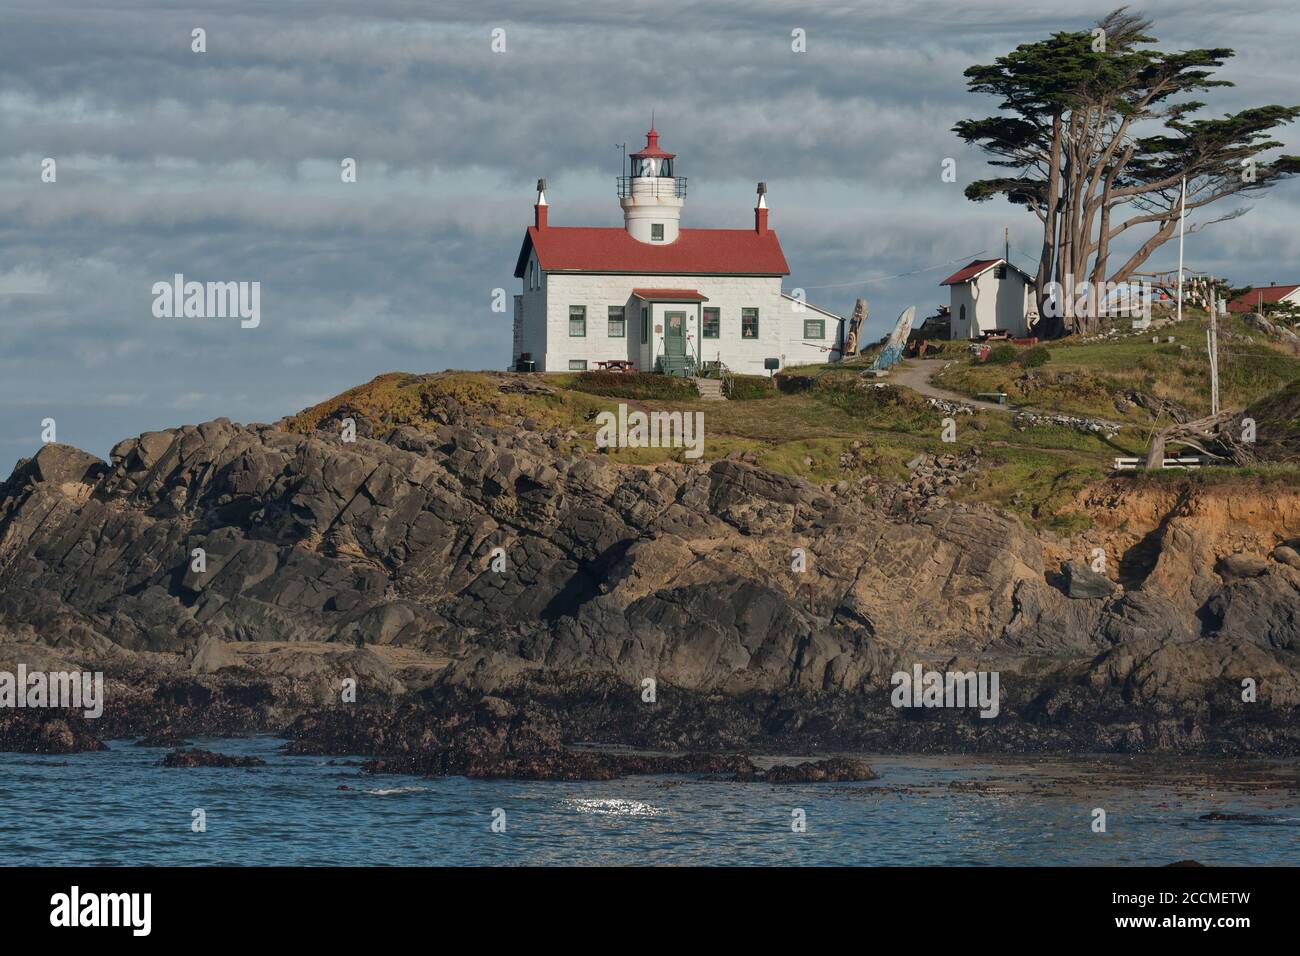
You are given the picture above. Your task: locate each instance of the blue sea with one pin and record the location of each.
(118, 808)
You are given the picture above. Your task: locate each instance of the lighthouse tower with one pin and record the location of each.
(652, 196)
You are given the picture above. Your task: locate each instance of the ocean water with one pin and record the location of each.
(119, 808)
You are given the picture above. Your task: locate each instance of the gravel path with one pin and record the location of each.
(915, 374)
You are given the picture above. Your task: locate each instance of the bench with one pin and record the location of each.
(1189, 462)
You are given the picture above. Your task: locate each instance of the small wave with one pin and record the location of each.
(615, 807)
(389, 791)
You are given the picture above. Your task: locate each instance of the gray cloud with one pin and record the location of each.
(224, 166)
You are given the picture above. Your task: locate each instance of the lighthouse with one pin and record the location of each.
(651, 196)
(653, 296)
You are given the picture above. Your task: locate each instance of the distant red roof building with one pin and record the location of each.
(1267, 295)
(976, 268)
(695, 252)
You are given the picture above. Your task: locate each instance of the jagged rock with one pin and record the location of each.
(212, 655)
(1287, 555)
(46, 732)
(1241, 566)
(206, 758)
(832, 770)
(327, 553)
(1081, 582)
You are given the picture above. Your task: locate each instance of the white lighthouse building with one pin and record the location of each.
(660, 296)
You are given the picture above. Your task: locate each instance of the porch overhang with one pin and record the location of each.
(669, 295)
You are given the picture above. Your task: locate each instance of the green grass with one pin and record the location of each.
(1085, 378)
(1037, 473)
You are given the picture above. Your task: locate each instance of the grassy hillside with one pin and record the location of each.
(1089, 378)
(835, 424)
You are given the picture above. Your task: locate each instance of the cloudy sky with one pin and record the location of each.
(225, 166)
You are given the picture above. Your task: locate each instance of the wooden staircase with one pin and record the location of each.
(710, 389)
(683, 366)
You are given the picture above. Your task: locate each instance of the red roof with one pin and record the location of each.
(1249, 301)
(974, 269)
(652, 150)
(669, 295)
(693, 252)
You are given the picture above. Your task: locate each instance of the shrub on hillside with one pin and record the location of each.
(1002, 355)
(746, 388)
(1034, 357)
(638, 387)
(875, 403)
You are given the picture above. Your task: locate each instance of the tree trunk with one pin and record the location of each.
(1052, 326)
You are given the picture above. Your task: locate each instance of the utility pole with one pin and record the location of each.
(1212, 344)
(1182, 218)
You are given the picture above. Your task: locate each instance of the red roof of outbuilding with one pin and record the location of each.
(971, 271)
(669, 295)
(693, 252)
(975, 268)
(1249, 301)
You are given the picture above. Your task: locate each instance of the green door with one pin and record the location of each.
(675, 334)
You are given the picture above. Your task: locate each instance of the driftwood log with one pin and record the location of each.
(1203, 432)
(856, 321)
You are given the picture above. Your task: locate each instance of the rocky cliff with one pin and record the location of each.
(231, 578)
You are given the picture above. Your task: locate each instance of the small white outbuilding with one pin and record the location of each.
(989, 295)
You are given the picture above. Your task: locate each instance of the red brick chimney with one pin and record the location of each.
(760, 211)
(539, 210)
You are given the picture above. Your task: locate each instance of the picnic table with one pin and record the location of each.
(617, 365)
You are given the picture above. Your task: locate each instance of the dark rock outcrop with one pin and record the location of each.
(231, 579)
(1083, 583)
(206, 758)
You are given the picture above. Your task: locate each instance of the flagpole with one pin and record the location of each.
(1182, 217)
(1214, 354)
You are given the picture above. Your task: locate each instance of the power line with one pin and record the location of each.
(900, 275)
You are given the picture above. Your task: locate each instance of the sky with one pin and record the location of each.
(225, 166)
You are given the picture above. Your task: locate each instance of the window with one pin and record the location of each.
(577, 365)
(961, 314)
(617, 328)
(657, 232)
(712, 323)
(1000, 272)
(645, 325)
(749, 323)
(814, 328)
(578, 321)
